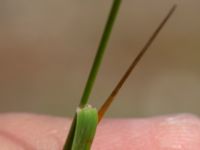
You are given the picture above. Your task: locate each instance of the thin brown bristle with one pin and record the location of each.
(110, 99)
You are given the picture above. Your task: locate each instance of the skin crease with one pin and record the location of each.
(39, 132)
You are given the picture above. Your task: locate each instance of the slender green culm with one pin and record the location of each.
(100, 53)
(85, 121)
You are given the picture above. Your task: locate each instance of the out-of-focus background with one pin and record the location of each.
(47, 48)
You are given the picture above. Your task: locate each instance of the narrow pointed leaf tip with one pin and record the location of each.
(110, 99)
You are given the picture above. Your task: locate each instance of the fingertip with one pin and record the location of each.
(179, 132)
(176, 132)
(30, 131)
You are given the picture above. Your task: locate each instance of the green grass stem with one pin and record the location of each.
(100, 53)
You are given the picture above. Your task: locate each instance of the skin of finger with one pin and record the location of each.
(37, 132)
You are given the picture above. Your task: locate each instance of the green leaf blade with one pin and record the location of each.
(86, 123)
(83, 129)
